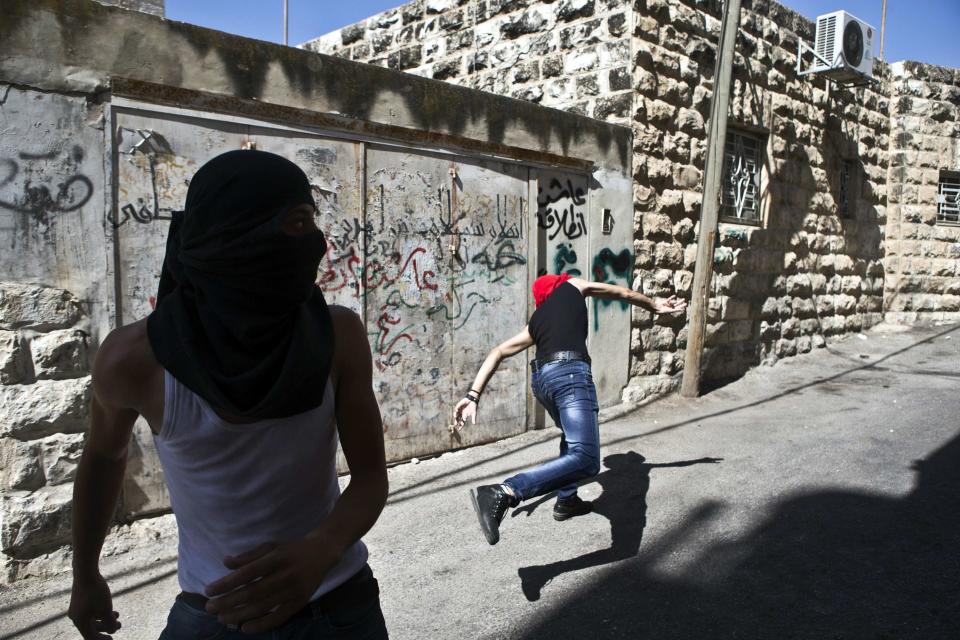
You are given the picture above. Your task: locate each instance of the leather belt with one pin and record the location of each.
(358, 588)
(559, 356)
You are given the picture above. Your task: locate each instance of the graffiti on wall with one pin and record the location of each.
(26, 186)
(561, 209)
(564, 260)
(612, 268)
(167, 177)
(431, 251)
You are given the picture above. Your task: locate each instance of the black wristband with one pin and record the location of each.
(475, 399)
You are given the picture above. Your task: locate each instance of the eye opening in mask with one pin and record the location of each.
(299, 220)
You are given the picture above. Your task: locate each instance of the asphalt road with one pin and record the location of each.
(817, 498)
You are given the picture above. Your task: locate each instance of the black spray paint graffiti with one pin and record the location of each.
(461, 307)
(505, 257)
(608, 266)
(151, 145)
(563, 218)
(41, 200)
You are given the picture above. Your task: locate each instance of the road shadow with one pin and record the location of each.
(32, 627)
(623, 502)
(825, 565)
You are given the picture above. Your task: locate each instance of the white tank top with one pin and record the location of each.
(234, 487)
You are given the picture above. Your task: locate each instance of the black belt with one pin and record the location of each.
(559, 356)
(360, 587)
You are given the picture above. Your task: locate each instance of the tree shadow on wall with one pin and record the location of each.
(847, 173)
(623, 502)
(827, 564)
(795, 188)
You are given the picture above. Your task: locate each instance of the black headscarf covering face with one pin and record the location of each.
(238, 319)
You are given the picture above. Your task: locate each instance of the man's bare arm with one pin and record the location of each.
(98, 482)
(467, 408)
(606, 291)
(361, 437)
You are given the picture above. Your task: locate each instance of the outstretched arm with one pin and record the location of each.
(467, 407)
(605, 291)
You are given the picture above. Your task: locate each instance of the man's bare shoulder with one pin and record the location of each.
(346, 322)
(351, 351)
(124, 366)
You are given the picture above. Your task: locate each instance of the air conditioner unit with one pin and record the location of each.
(844, 47)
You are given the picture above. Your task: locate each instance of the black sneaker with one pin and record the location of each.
(571, 508)
(490, 502)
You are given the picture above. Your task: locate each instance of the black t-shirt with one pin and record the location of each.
(560, 323)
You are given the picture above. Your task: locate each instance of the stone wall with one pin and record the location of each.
(44, 409)
(923, 254)
(572, 55)
(801, 276)
(155, 7)
(804, 273)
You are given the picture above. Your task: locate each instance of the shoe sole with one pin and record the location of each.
(560, 517)
(489, 535)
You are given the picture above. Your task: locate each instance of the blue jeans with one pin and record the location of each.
(566, 391)
(362, 620)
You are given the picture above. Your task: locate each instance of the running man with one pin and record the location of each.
(562, 382)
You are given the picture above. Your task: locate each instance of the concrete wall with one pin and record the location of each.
(804, 274)
(923, 254)
(440, 204)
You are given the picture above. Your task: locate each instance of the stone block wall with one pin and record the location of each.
(572, 54)
(155, 7)
(923, 254)
(801, 276)
(44, 408)
(804, 272)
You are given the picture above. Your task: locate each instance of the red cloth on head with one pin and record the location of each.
(545, 285)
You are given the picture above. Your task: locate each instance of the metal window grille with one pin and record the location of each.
(948, 198)
(844, 201)
(740, 190)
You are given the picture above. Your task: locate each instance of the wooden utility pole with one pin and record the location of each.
(709, 208)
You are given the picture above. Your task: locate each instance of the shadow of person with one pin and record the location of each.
(831, 562)
(623, 502)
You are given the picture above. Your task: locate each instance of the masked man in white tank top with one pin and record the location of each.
(246, 378)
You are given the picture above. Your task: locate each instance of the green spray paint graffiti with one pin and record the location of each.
(609, 267)
(565, 255)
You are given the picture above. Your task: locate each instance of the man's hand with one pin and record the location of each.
(269, 584)
(673, 304)
(465, 409)
(91, 609)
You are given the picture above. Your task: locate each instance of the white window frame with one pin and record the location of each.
(948, 198)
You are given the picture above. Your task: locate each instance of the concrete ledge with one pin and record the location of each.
(80, 46)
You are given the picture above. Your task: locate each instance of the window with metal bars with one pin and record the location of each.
(846, 191)
(740, 186)
(948, 198)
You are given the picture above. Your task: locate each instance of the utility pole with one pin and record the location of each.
(709, 208)
(883, 26)
(285, 29)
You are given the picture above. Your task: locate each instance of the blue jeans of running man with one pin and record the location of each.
(566, 391)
